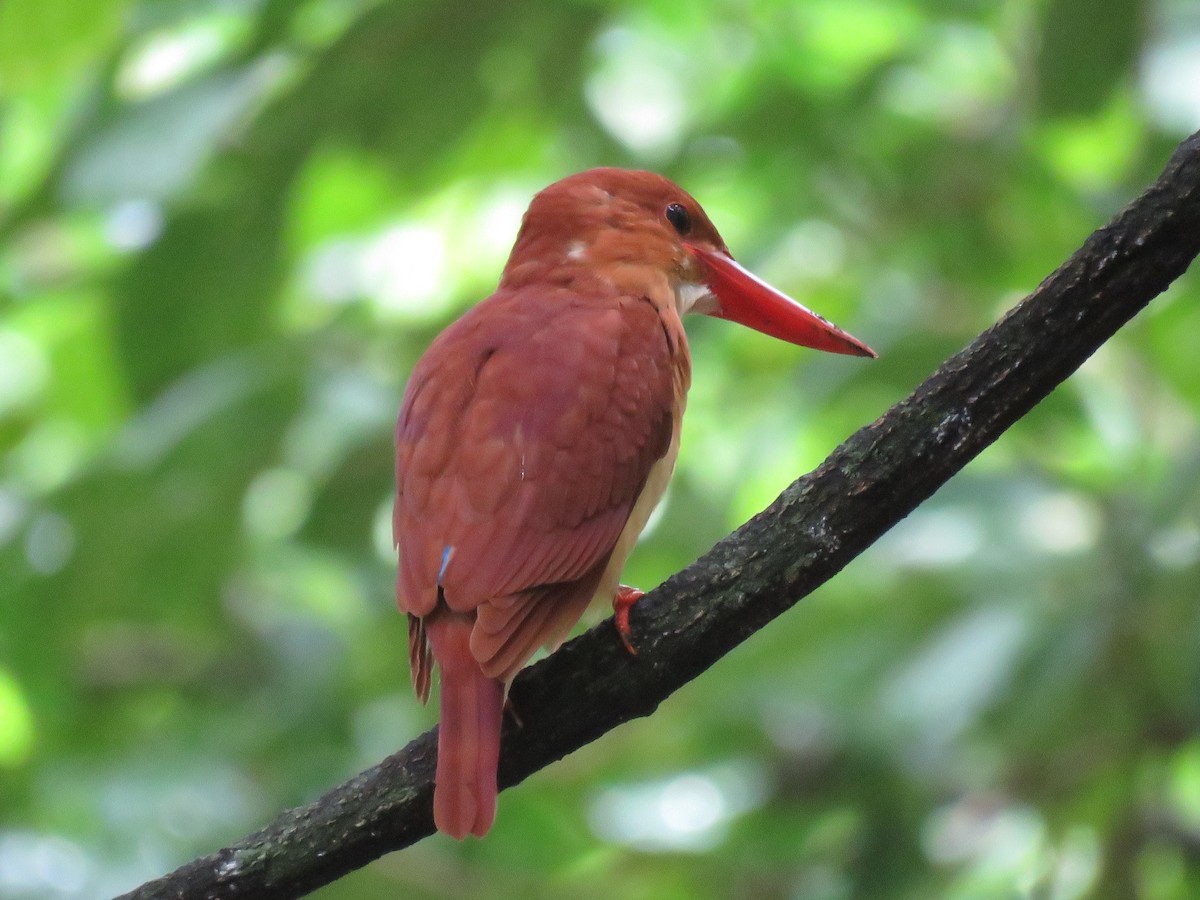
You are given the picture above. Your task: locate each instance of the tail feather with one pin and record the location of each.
(419, 661)
(464, 796)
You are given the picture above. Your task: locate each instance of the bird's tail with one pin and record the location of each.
(464, 796)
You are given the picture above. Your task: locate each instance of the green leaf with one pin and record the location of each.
(40, 39)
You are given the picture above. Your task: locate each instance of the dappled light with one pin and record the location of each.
(229, 229)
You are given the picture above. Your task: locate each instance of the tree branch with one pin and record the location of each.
(817, 526)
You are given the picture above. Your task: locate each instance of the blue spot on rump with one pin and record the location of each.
(447, 552)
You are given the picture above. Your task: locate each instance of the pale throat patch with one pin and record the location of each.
(692, 296)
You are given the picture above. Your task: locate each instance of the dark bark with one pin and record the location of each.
(817, 526)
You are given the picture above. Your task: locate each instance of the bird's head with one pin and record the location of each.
(632, 227)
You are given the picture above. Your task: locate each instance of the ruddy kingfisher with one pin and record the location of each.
(538, 432)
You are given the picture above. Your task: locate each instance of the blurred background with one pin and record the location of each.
(228, 228)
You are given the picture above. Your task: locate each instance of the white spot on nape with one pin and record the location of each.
(692, 296)
(576, 250)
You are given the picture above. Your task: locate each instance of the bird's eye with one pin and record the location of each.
(679, 218)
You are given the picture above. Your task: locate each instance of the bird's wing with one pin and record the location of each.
(526, 435)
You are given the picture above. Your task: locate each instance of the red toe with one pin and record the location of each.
(623, 602)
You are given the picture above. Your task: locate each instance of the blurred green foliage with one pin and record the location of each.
(228, 228)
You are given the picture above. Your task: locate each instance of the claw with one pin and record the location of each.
(623, 602)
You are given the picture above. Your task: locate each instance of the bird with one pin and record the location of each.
(537, 433)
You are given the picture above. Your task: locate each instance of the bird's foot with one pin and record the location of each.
(625, 597)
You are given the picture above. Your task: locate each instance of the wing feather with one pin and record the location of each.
(523, 443)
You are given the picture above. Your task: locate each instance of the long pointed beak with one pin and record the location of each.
(746, 298)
